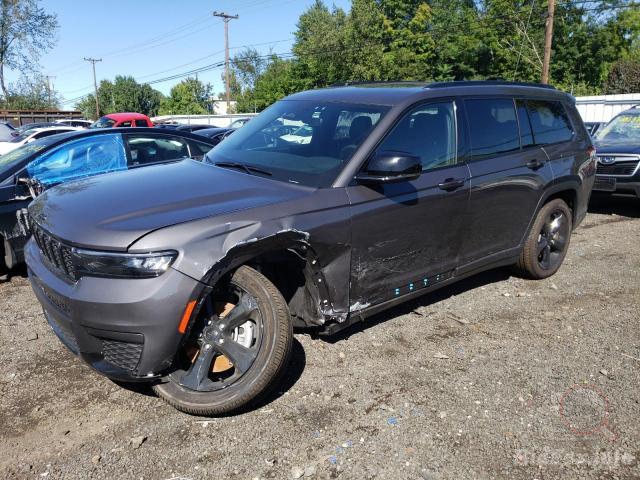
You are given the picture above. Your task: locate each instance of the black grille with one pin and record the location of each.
(618, 168)
(58, 254)
(122, 354)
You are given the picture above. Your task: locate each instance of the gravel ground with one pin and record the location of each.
(495, 377)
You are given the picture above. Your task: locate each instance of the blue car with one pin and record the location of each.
(38, 165)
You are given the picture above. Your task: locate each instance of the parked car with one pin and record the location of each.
(75, 122)
(192, 128)
(618, 147)
(216, 134)
(6, 131)
(114, 120)
(62, 158)
(593, 127)
(191, 275)
(30, 126)
(32, 135)
(240, 122)
(170, 126)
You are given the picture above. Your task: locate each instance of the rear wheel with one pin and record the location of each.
(548, 241)
(236, 349)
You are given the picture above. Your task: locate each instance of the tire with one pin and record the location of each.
(272, 353)
(3, 262)
(551, 231)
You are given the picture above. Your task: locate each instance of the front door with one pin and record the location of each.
(407, 235)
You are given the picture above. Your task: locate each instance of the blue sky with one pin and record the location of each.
(152, 39)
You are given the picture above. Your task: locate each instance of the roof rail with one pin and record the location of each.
(376, 82)
(470, 83)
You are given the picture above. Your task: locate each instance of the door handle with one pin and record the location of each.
(451, 184)
(535, 164)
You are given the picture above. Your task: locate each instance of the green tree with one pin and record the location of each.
(26, 32)
(31, 93)
(124, 94)
(623, 78)
(189, 97)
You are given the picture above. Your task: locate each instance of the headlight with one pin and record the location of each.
(123, 265)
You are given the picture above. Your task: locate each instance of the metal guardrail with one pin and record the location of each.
(213, 120)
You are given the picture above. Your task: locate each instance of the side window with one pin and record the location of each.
(493, 127)
(153, 149)
(80, 158)
(526, 135)
(427, 131)
(141, 123)
(549, 121)
(198, 150)
(125, 124)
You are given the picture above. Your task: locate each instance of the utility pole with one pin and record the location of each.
(95, 83)
(548, 39)
(49, 78)
(226, 18)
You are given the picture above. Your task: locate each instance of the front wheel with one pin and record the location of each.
(548, 241)
(236, 349)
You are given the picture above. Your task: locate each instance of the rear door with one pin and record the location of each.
(407, 235)
(508, 176)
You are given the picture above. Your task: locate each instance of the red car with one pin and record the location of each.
(113, 120)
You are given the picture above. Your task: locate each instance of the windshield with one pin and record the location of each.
(14, 157)
(24, 135)
(624, 128)
(104, 122)
(300, 141)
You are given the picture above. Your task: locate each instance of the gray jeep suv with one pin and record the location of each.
(191, 275)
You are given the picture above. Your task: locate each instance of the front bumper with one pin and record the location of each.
(610, 184)
(126, 329)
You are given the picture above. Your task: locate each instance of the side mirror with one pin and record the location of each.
(391, 167)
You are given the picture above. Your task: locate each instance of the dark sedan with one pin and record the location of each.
(24, 172)
(216, 134)
(191, 128)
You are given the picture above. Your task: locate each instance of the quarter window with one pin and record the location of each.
(141, 123)
(549, 121)
(154, 149)
(428, 132)
(493, 126)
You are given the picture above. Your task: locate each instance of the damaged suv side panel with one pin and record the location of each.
(319, 238)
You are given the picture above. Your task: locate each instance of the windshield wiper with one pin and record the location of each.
(247, 168)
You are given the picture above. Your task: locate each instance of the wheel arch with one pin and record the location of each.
(287, 259)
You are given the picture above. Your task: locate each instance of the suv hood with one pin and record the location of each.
(632, 148)
(112, 211)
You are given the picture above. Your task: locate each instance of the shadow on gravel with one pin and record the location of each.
(477, 281)
(19, 271)
(623, 205)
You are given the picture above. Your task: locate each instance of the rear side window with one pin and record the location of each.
(549, 121)
(493, 126)
(125, 124)
(153, 149)
(141, 123)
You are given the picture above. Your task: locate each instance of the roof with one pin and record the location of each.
(126, 116)
(393, 93)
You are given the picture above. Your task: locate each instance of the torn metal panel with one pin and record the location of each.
(319, 237)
